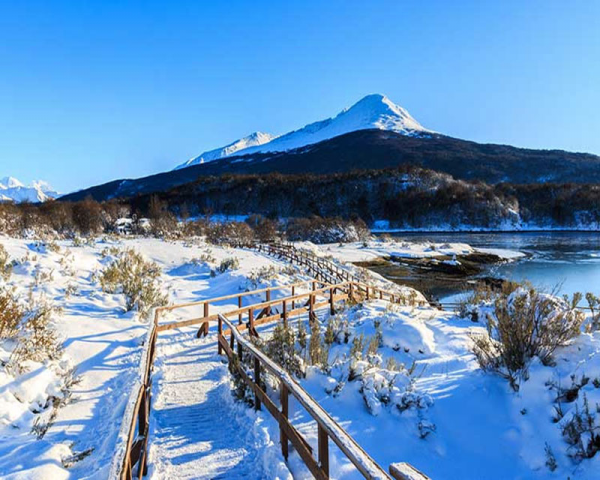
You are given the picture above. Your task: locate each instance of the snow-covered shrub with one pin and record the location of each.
(594, 306)
(11, 314)
(136, 278)
(228, 264)
(37, 340)
(281, 348)
(524, 325)
(258, 276)
(5, 263)
(83, 241)
(318, 350)
(302, 336)
(204, 257)
(581, 430)
(551, 462)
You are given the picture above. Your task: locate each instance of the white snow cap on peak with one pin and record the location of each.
(12, 190)
(10, 182)
(374, 111)
(254, 139)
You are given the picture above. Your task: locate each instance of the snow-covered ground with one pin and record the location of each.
(102, 343)
(439, 411)
(454, 421)
(374, 249)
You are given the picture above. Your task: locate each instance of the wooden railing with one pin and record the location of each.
(131, 457)
(322, 268)
(328, 428)
(133, 449)
(251, 316)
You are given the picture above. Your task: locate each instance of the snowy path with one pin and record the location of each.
(199, 432)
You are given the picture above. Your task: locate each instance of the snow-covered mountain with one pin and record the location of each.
(372, 112)
(12, 190)
(254, 139)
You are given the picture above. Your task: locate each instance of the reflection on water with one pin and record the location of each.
(570, 259)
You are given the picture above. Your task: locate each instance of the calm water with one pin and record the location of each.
(569, 259)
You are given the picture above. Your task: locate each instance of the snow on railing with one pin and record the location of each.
(328, 428)
(132, 442)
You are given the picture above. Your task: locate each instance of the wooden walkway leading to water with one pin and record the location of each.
(333, 285)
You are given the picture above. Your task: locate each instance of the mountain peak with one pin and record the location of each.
(375, 111)
(10, 182)
(380, 112)
(252, 140)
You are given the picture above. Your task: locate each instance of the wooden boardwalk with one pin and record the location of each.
(198, 433)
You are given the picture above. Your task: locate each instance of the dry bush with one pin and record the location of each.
(5, 264)
(11, 314)
(137, 279)
(265, 229)
(281, 348)
(327, 230)
(37, 339)
(318, 350)
(195, 228)
(232, 233)
(227, 264)
(594, 306)
(526, 324)
(581, 432)
(162, 221)
(87, 217)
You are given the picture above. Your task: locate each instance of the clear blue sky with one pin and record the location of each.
(91, 91)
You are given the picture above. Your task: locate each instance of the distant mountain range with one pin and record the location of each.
(12, 190)
(374, 133)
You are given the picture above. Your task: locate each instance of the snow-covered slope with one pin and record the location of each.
(12, 190)
(373, 111)
(254, 139)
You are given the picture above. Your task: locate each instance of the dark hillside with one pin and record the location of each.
(377, 149)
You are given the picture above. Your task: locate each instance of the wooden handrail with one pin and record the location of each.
(327, 425)
(234, 295)
(137, 413)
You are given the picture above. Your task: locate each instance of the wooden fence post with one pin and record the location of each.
(251, 321)
(331, 305)
(257, 381)
(220, 330)
(240, 306)
(203, 331)
(285, 315)
(323, 450)
(293, 301)
(284, 412)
